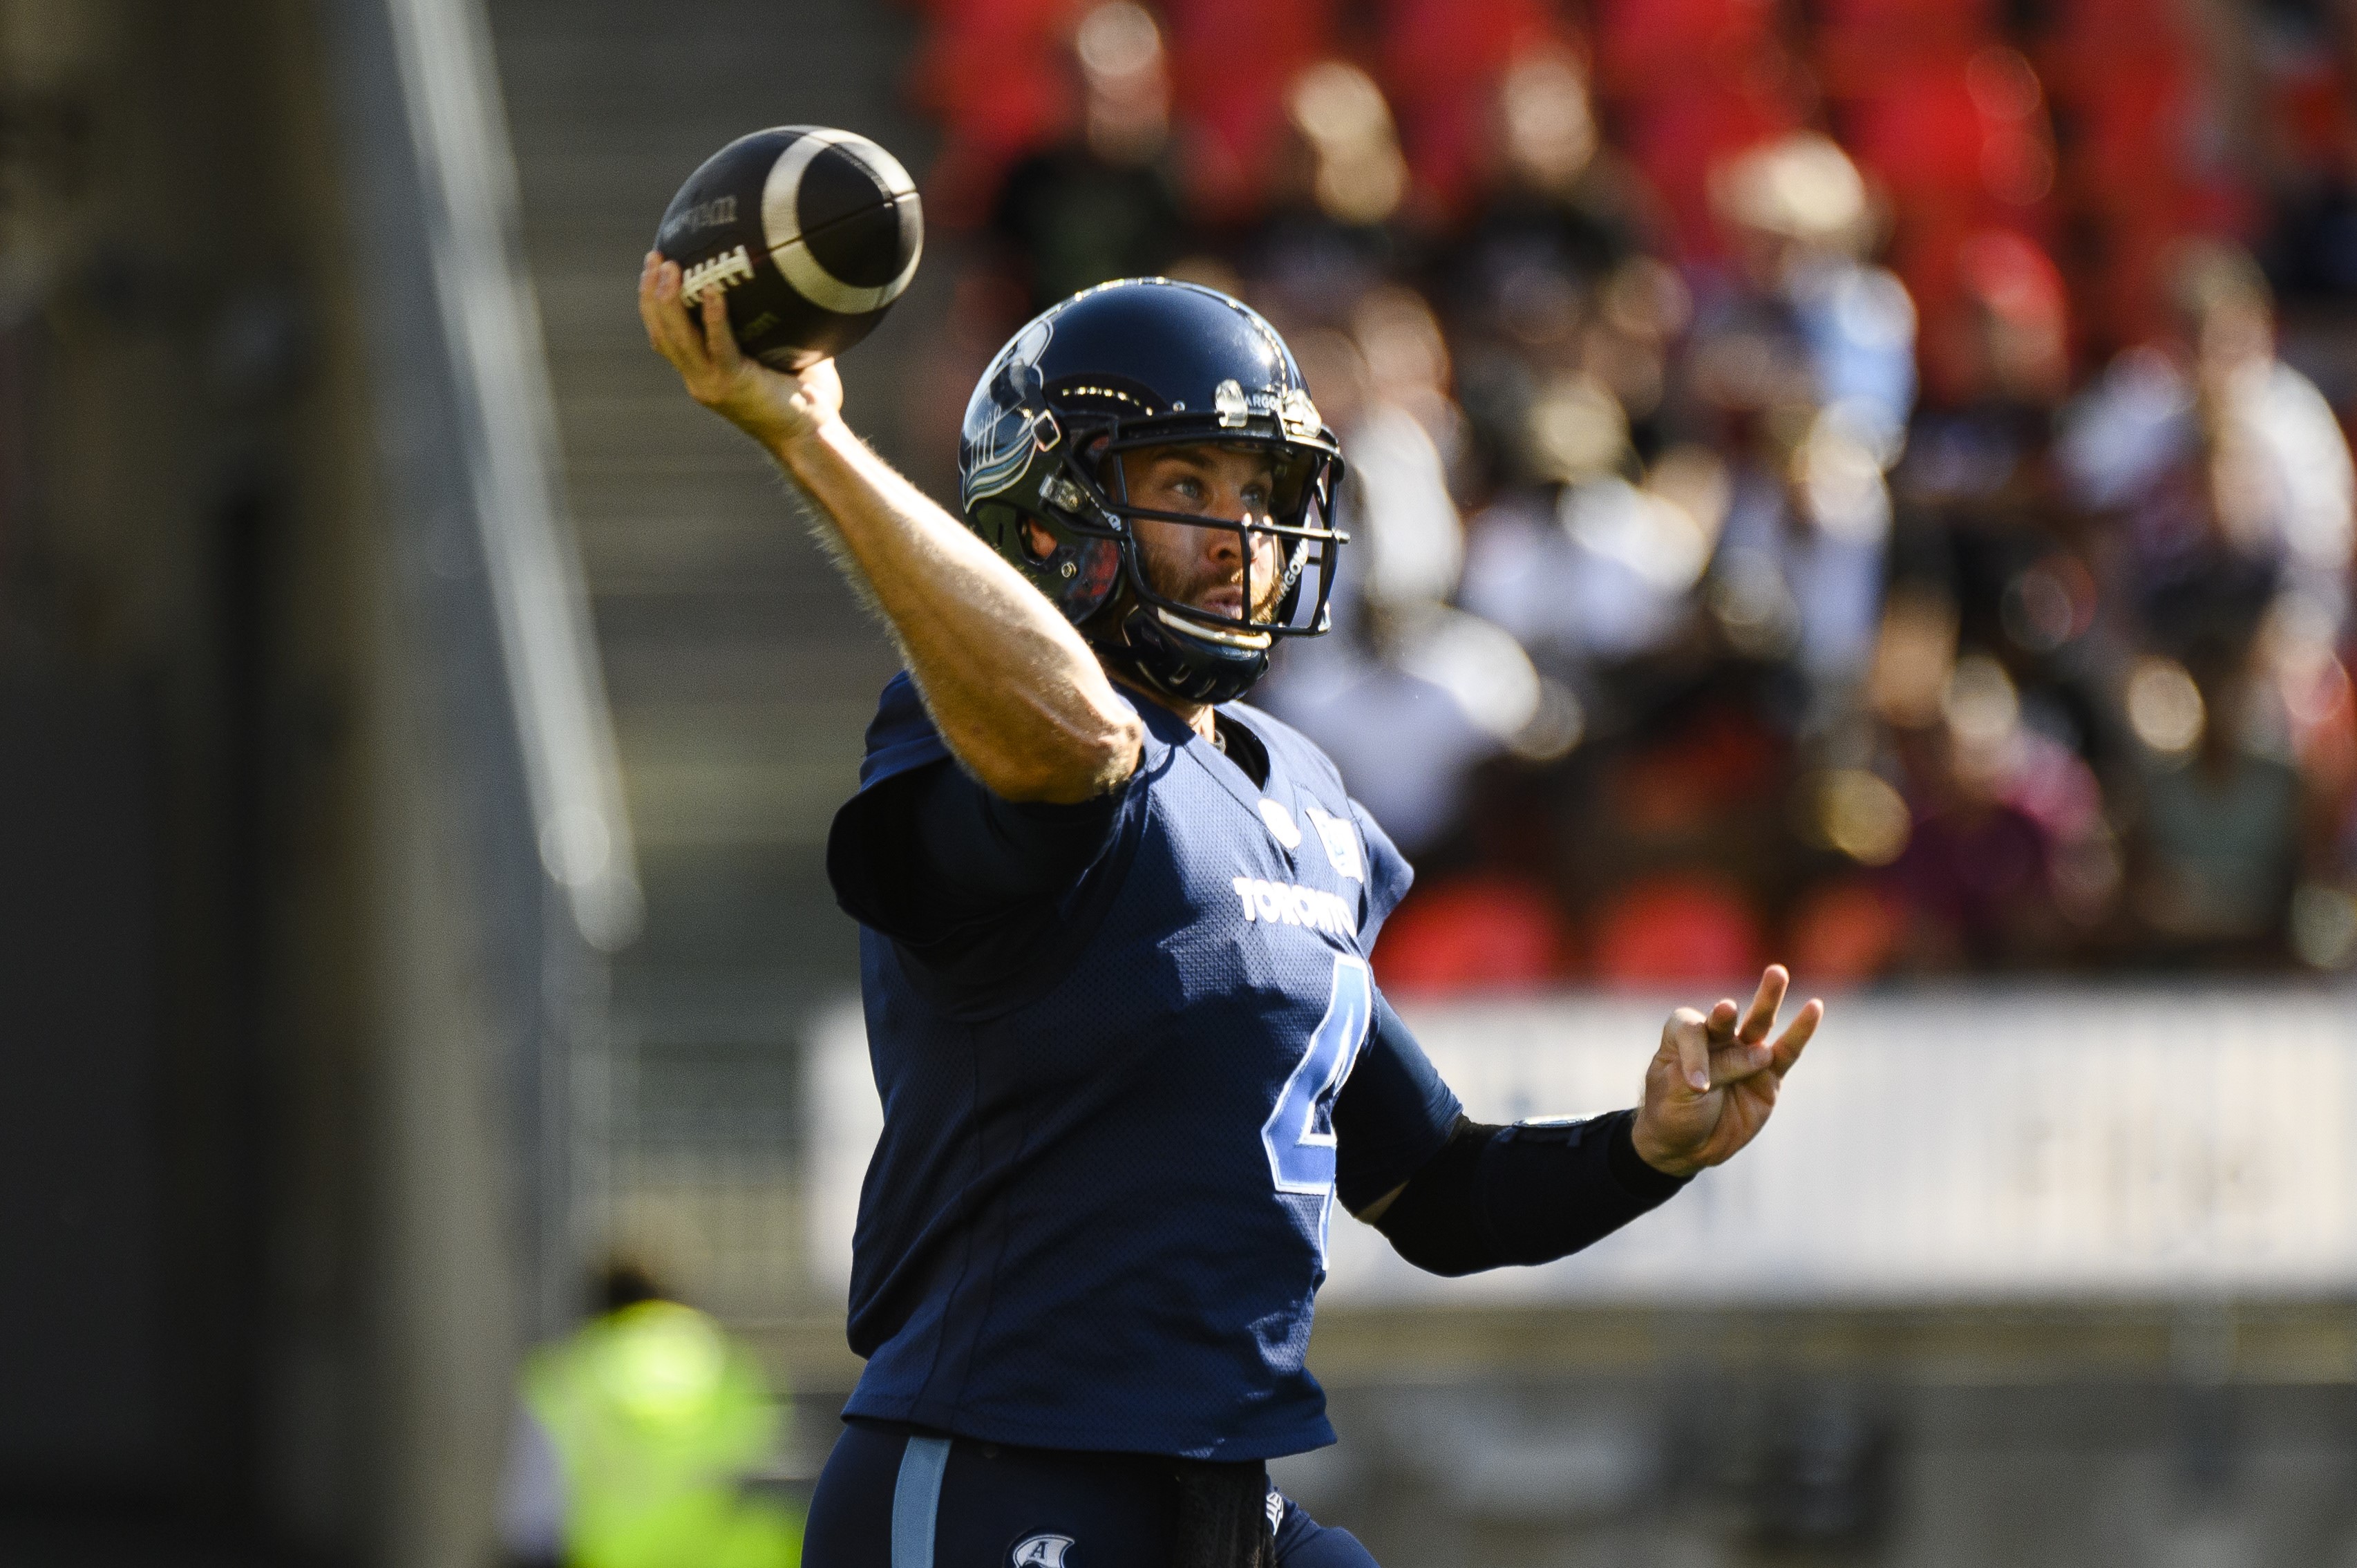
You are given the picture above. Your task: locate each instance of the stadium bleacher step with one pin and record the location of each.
(741, 671)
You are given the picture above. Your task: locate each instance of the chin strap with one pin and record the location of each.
(1178, 666)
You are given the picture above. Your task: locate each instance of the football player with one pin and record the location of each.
(1114, 937)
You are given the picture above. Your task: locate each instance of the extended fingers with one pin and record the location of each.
(1761, 1016)
(1796, 1036)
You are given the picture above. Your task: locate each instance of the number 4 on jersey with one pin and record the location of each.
(1299, 1134)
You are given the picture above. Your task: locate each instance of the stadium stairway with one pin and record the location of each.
(742, 673)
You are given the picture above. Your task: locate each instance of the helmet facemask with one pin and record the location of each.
(1158, 627)
(1296, 519)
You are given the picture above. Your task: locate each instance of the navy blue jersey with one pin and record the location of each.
(1098, 1213)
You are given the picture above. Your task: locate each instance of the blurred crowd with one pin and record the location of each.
(1862, 484)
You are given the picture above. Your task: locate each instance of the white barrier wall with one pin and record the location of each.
(1939, 1145)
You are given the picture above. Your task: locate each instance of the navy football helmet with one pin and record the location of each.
(1150, 362)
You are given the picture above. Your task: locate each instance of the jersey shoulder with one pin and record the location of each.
(1303, 761)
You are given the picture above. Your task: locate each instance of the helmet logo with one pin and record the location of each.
(1006, 423)
(1031, 343)
(1228, 398)
(1045, 1551)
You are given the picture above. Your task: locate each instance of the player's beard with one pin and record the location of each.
(1196, 587)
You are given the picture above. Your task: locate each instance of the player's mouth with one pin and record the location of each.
(1223, 596)
(1226, 601)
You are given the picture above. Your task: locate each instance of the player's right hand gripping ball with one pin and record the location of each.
(813, 233)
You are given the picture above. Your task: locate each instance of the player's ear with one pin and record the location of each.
(1037, 543)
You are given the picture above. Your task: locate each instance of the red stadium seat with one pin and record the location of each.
(1675, 139)
(1442, 60)
(1473, 933)
(1230, 62)
(1845, 932)
(2139, 168)
(1689, 85)
(1959, 145)
(1677, 927)
(1858, 44)
(1647, 47)
(1924, 127)
(994, 75)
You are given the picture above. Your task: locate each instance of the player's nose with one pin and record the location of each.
(1225, 546)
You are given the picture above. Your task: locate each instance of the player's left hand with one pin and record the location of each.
(1711, 1087)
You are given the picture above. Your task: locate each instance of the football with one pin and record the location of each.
(811, 233)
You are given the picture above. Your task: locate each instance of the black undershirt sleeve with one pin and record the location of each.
(934, 860)
(1472, 1195)
(1530, 1193)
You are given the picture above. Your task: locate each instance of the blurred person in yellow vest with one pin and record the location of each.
(637, 1441)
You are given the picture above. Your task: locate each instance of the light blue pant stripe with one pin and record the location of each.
(917, 1500)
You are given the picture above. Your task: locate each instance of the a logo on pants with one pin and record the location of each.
(1047, 1550)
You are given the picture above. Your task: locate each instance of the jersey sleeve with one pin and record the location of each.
(1392, 1115)
(1389, 876)
(974, 888)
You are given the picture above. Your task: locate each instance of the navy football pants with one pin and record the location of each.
(890, 1500)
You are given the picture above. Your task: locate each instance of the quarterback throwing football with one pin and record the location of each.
(1116, 928)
